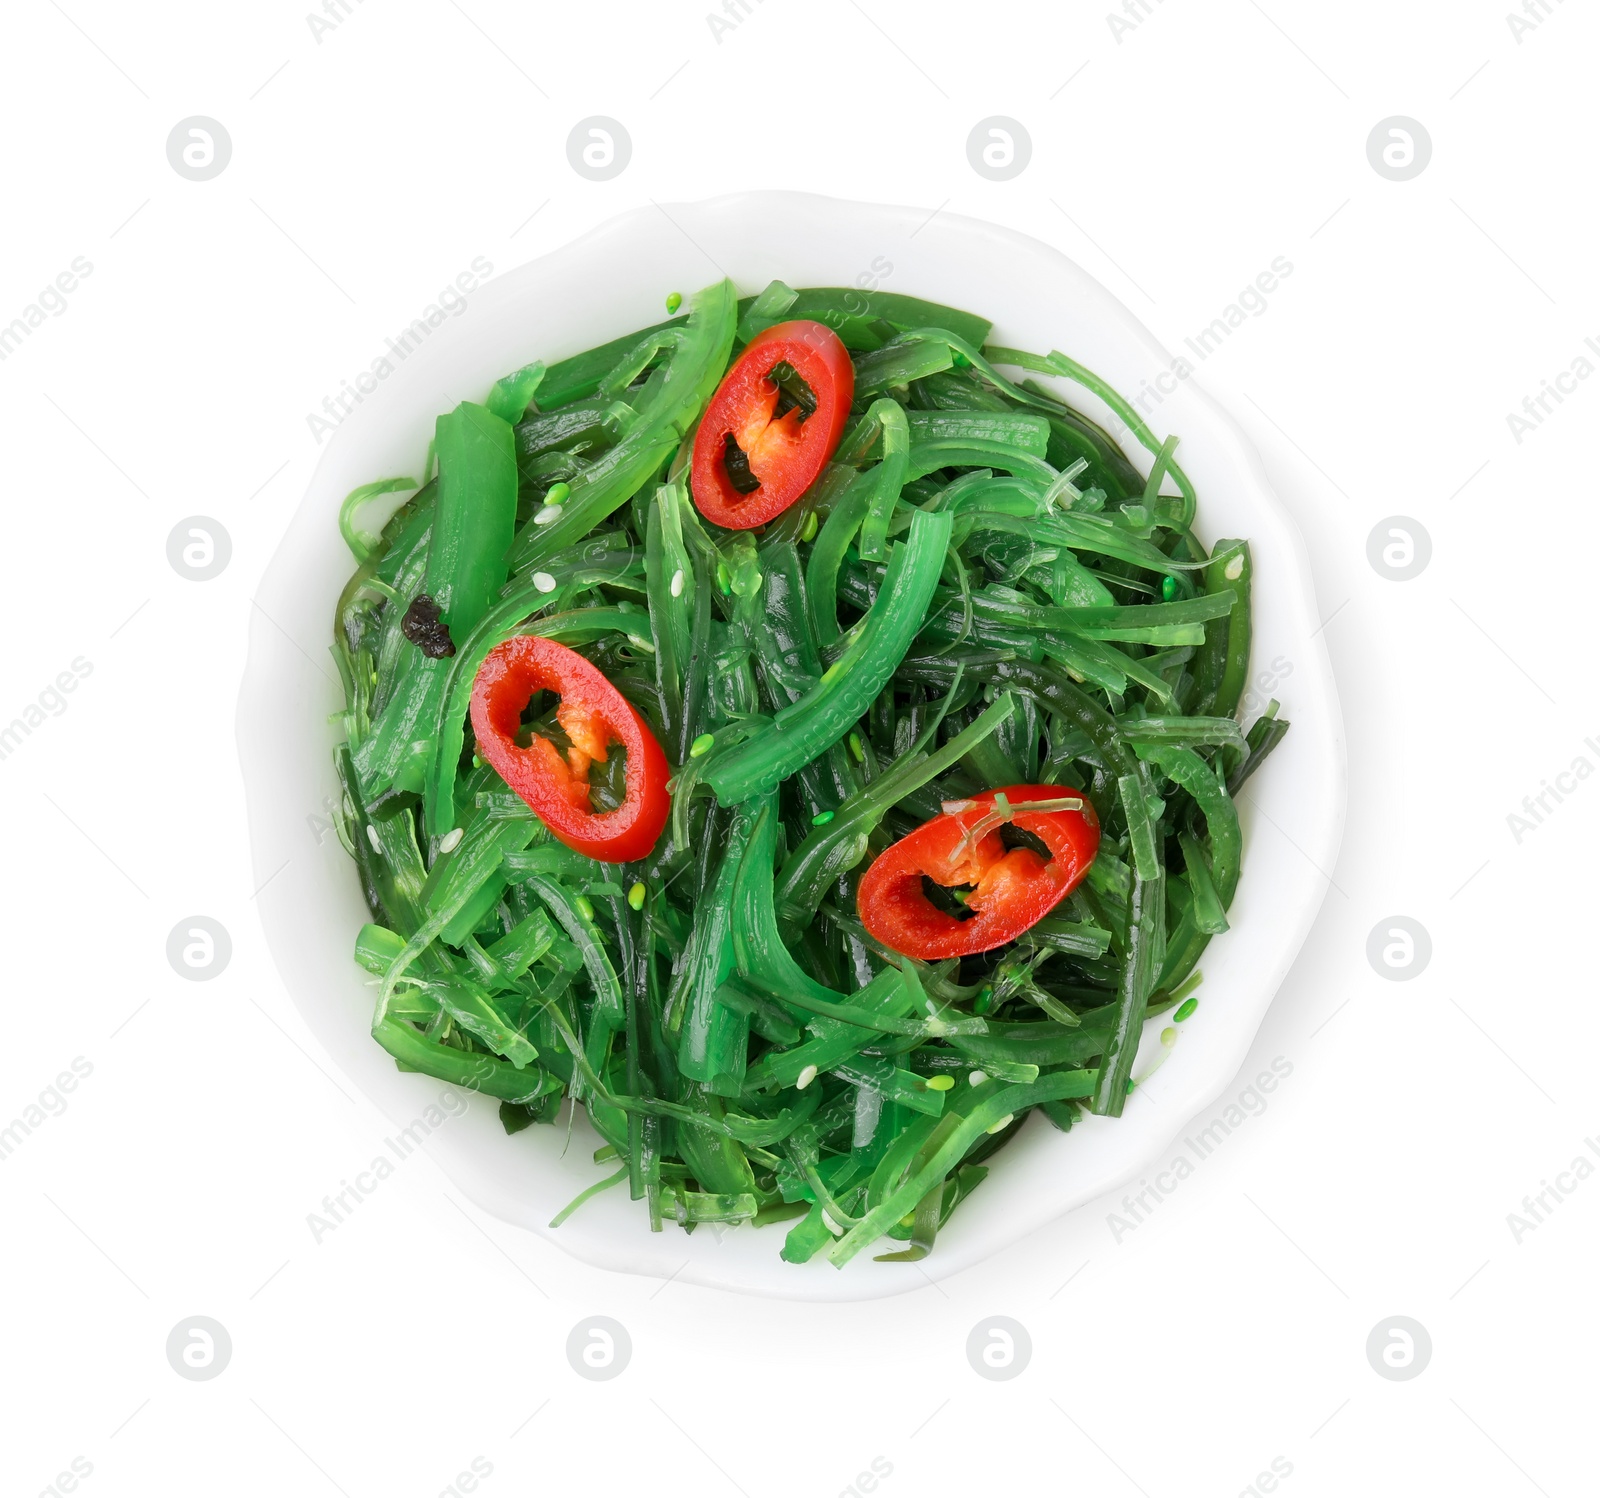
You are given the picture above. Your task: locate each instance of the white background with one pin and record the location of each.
(1229, 1327)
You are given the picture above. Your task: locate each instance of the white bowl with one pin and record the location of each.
(607, 283)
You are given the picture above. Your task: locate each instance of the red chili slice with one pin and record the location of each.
(594, 715)
(785, 455)
(1012, 889)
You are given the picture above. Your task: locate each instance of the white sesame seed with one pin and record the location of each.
(546, 514)
(977, 1078)
(544, 582)
(951, 808)
(996, 1127)
(832, 1226)
(372, 837)
(677, 584)
(1234, 570)
(449, 842)
(807, 1076)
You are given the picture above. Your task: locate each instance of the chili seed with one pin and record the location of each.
(544, 582)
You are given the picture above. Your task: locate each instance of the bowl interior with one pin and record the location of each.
(600, 287)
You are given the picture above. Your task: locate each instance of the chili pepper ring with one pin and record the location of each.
(1012, 889)
(786, 452)
(594, 715)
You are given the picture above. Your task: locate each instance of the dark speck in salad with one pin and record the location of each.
(426, 630)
